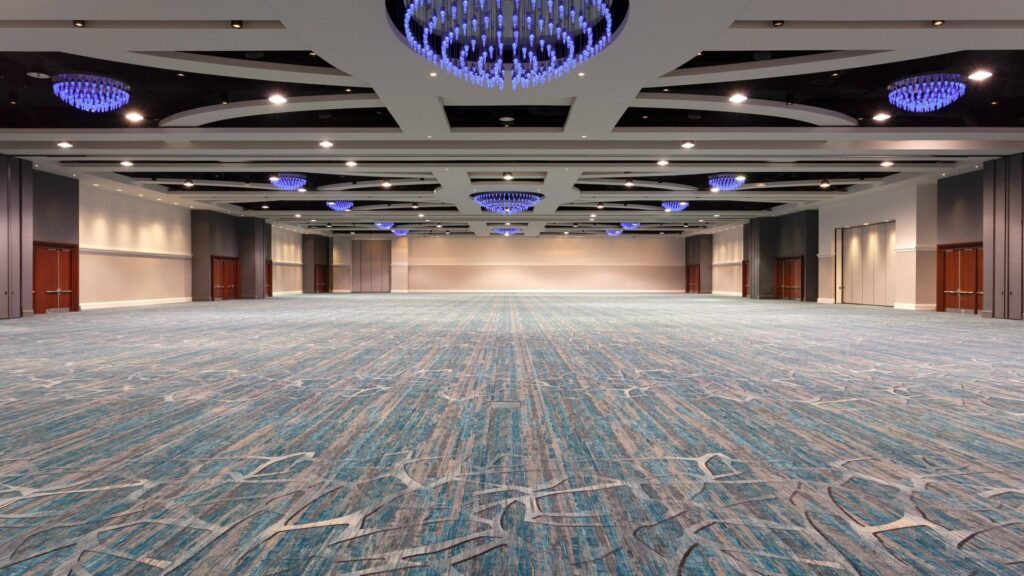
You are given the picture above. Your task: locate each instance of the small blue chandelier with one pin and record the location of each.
(927, 92)
(384, 225)
(536, 41)
(614, 232)
(288, 181)
(675, 206)
(507, 230)
(399, 231)
(507, 202)
(340, 205)
(726, 182)
(630, 226)
(91, 92)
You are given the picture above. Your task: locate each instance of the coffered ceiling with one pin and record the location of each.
(410, 144)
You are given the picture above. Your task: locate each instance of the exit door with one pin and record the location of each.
(54, 278)
(225, 278)
(960, 280)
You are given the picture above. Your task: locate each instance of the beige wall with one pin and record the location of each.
(133, 251)
(629, 263)
(727, 262)
(286, 253)
(400, 264)
(341, 264)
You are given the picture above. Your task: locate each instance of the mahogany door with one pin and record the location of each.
(693, 279)
(320, 272)
(224, 277)
(746, 278)
(268, 279)
(960, 284)
(789, 278)
(54, 278)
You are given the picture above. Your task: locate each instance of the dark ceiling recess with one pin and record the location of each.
(356, 118)
(156, 93)
(700, 181)
(293, 57)
(511, 116)
(655, 117)
(700, 205)
(862, 92)
(743, 57)
(317, 205)
(312, 180)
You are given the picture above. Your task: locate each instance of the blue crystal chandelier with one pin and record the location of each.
(927, 92)
(483, 41)
(507, 230)
(399, 231)
(630, 226)
(614, 232)
(288, 181)
(675, 206)
(91, 92)
(384, 225)
(340, 205)
(727, 182)
(507, 202)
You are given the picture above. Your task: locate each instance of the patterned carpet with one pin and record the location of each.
(511, 434)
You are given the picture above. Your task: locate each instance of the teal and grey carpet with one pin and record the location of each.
(511, 434)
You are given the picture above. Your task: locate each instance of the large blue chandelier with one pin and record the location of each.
(630, 226)
(288, 181)
(507, 202)
(400, 231)
(675, 206)
(726, 181)
(534, 41)
(384, 225)
(927, 92)
(614, 232)
(507, 230)
(91, 92)
(340, 205)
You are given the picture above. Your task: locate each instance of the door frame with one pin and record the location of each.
(940, 272)
(75, 307)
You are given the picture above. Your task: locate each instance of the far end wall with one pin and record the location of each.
(286, 253)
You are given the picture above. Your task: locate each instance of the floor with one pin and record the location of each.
(511, 434)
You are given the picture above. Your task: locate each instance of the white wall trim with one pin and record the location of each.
(127, 303)
(918, 249)
(399, 291)
(341, 291)
(912, 306)
(276, 263)
(734, 263)
(133, 253)
(826, 300)
(289, 293)
(724, 293)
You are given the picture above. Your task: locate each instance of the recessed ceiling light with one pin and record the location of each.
(825, 184)
(718, 215)
(886, 163)
(979, 75)
(298, 215)
(134, 116)
(760, 184)
(741, 178)
(581, 74)
(188, 184)
(688, 144)
(127, 163)
(778, 23)
(415, 206)
(313, 220)
(507, 176)
(326, 144)
(738, 98)
(175, 203)
(881, 117)
(584, 136)
(274, 178)
(701, 220)
(715, 189)
(237, 24)
(351, 233)
(277, 99)
(566, 233)
(433, 74)
(301, 190)
(78, 23)
(662, 162)
(508, 223)
(140, 195)
(65, 144)
(181, 74)
(629, 184)
(593, 215)
(159, 199)
(351, 163)
(37, 74)
(265, 207)
(420, 215)
(664, 89)
(438, 226)
(938, 23)
(600, 206)
(385, 184)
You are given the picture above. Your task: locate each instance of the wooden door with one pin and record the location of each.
(54, 278)
(960, 279)
(746, 278)
(217, 276)
(225, 278)
(320, 272)
(789, 278)
(268, 280)
(693, 279)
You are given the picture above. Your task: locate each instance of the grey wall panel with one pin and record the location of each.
(1014, 238)
(960, 208)
(7, 246)
(890, 264)
(253, 255)
(999, 309)
(988, 237)
(16, 180)
(308, 264)
(55, 214)
(213, 234)
(27, 208)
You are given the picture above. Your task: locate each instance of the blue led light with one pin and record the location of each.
(288, 181)
(630, 226)
(675, 206)
(616, 232)
(340, 205)
(540, 40)
(727, 182)
(507, 202)
(927, 92)
(91, 92)
(399, 231)
(507, 230)
(384, 225)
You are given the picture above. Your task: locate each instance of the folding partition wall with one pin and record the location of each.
(866, 266)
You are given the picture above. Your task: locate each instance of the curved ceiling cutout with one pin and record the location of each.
(799, 112)
(232, 67)
(645, 184)
(795, 66)
(374, 184)
(220, 112)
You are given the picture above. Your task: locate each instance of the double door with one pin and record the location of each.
(693, 279)
(960, 279)
(321, 279)
(789, 278)
(54, 278)
(225, 278)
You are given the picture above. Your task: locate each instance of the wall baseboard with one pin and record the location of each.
(128, 303)
(826, 300)
(289, 293)
(399, 291)
(723, 293)
(912, 306)
(341, 291)
(548, 291)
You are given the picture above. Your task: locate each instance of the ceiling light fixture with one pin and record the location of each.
(471, 40)
(881, 117)
(237, 24)
(688, 144)
(340, 205)
(926, 92)
(134, 116)
(938, 23)
(384, 225)
(127, 163)
(630, 226)
(265, 207)
(629, 184)
(188, 184)
(715, 189)
(78, 23)
(613, 232)
(663, 163)
(326, 144)
(778, 23)
(738, 98)
(420, 215)
(507, 202)
(351, 163)
(400, 232)
(980, 75)
(825, 184)
(415, 206)
(277, 99)
(727, 181)
(600, 206)
(507, 230)
(675, 206)
(65, 144)
(385, 184)
(91, 92)
(507, 176)
(288, 181)
(886, 163)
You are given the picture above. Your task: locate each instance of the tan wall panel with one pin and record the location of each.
(285, 247)
(539, 278)
(342, 278)
(123, 279)
(112, 221)
(550, 251)
(287, 278)
(826, 279)
(727, 279)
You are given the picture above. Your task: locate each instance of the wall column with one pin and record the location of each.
(16, 237)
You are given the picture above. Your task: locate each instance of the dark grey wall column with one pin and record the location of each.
(16, 237)
(798, 237)
(762, 238)
(253, 249)
(213, 234)
(1003, 238)
(55, 210)
(316, 251)
(960, 208)
(699, 252)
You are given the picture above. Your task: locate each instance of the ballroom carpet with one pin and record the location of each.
(511, 434)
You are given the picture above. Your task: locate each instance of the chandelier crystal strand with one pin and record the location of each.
(507, 230)
(478, 41)
(926, 92)
(384, 225)
(614, 232)
(400, 231)
(727, 182)
(507, 202)
(91, 92)
(340, 205)
(674, 206)
(630, 226)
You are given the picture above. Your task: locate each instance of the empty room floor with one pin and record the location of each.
(511, 434)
